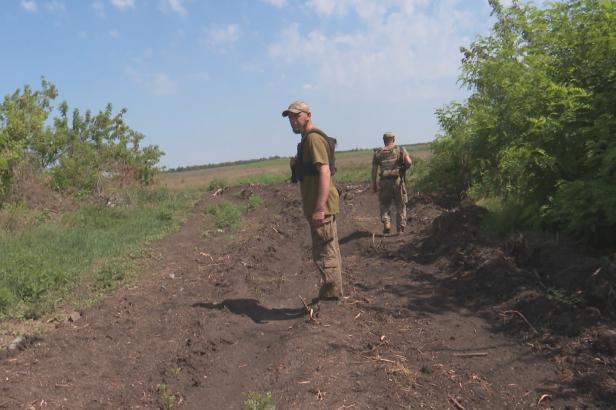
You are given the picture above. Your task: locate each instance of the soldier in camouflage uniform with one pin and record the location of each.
(392, 160)
(313, 167)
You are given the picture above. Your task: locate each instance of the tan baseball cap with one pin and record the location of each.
(296, 107)
(389, 134)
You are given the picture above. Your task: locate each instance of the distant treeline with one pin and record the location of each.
(222, 164)
(416, 146)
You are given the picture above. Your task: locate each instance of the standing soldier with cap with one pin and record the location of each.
(313, 167)
(393, 160)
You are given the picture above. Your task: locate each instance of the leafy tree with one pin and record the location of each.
(539, 127)
(82, 153)
(22, 126)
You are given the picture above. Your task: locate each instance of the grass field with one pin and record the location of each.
(102, 245)
(352, 166)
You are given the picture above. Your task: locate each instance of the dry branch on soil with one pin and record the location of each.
(473, 354)
(508, 313)
(456, 403)
(312, 314)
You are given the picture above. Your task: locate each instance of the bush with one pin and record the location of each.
(83, 153)
(226, 215)
(216, 184)
(537, 130)
(253, 202)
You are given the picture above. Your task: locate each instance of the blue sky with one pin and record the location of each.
(207, 80)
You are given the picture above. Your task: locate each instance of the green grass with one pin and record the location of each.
(41, 264)
(258, 401)
(227, 215)
(217, 183)
(264, 179)
(253, 202)
(353, 174)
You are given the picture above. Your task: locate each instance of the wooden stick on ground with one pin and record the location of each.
(471, 354)
(511, 312)
(456, 403)
(308, 309)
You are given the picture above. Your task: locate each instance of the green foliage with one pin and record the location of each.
(226, 215)
(507, 217)
(167, 398)
(586, 209)
(83, 153)
(42, 260)
(538, 129)
(563, 297)
(253, 202)
(217, 183)
(259, 401)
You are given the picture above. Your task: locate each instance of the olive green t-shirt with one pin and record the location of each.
(315, 150)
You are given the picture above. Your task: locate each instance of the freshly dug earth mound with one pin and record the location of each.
(436, 318)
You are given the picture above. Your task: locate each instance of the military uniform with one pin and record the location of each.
(392, 187)
(325, 248)
(315, 149)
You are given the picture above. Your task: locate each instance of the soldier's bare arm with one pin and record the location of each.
(324, 180)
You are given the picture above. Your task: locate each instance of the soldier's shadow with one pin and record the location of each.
(253, 309)
(354, 236)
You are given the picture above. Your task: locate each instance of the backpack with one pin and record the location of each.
(391, 161)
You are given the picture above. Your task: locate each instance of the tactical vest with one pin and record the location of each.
(390, 161)
(302, 168)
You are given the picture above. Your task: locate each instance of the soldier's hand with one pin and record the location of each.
(317, 218)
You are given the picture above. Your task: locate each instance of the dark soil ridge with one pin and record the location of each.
(437, 318)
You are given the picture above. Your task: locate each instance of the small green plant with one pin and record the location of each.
(258, 401)
(217, 183)
(110, 274)
(226, 215)
(563, 297)
(167, 398)
(253, 202)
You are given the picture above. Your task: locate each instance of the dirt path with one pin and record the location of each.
(430, 321)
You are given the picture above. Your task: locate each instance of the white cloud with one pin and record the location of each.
(114, 34)
(275, 3)
(405, 48)
(175, 6)
(29, 5)
(55, 7)
(156, 83)
(123, 4)
(222, 36)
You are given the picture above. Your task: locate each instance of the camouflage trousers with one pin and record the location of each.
(326, 255)
(393, 192)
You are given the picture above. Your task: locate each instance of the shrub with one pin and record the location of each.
(226, 215)
(216, 184)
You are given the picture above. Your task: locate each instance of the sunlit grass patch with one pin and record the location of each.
(40, 264)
